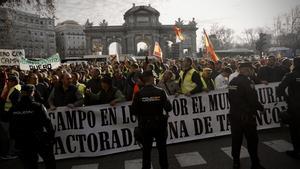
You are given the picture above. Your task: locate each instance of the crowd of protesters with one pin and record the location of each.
(95, 83)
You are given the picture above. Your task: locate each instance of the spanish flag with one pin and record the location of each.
(210, 48)
(157, 51)
(178, 32)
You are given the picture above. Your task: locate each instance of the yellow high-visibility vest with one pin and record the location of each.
(81, 88)
(187, 84)
(8, 103)
(204, 83)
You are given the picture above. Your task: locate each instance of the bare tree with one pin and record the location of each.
(250, 36)
(223, 36)
(287, 29)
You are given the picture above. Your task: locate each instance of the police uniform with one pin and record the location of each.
(243, 108)
(148, 105)
(32, 131)
(292, 82)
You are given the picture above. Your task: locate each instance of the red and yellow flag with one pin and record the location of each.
(178, 32)
(157, 51)
(210, 48)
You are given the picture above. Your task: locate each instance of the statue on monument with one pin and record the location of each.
(103, 23)
(179, 22)
(193, 22)
(88, 23)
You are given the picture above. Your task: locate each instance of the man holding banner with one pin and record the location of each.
(148, 105)
(243, 109)
(190, 81)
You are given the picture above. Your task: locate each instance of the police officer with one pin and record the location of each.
(32, 130)
(148, 105)
(292, 82)
(243, 108)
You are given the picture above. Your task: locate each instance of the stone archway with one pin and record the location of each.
(141, 24)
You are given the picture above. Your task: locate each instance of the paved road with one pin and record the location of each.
(203, 154)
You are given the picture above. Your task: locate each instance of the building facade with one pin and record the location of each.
(70, 39)
(141, 25)
(20, 30)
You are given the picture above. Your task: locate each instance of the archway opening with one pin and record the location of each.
(142, 49)
(115, 48)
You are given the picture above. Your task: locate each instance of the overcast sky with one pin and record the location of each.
(235, 14)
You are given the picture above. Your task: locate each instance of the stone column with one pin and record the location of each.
(88, 45)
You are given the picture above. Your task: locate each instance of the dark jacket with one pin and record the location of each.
(129, 85)
(270, 74)
(94, 85)
(292, 82)
(119, 82)
(59, 97)
(243, 97)
(148, 105)
(27, 122)
(105, 97)
(42, 93)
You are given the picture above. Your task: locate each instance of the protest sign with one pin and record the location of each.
(52, 62)
(101, 129)
(11, 57)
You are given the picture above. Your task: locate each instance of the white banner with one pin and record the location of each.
(102, 129)
(11, 57)
(53, 62)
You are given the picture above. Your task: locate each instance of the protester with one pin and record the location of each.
(65, 94)
(234, 74)
(131, 83)
(41, 93)
(93, 84)
(108, 94)
(190, 81)
(168, 83)
(207, 80)
(119, 79)
(75, 81)
(221, 81)
(54, 81)
(271, 72)
(286, 66)
(215, 68)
